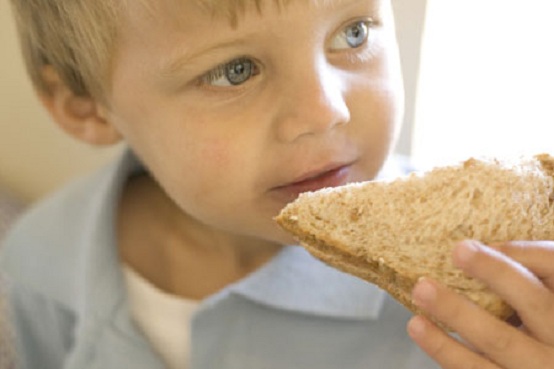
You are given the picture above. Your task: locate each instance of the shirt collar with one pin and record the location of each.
(295, 281)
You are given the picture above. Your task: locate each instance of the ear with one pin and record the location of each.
(80, 116)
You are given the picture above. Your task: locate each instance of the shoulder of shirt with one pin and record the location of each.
(44, 251)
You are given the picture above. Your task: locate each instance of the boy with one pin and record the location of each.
(230, 109)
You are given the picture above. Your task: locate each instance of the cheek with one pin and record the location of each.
(379, 111)
(217, 153)
(202, 177)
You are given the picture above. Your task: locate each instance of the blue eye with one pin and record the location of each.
(352, 36)
(233, 73)
(356, 34)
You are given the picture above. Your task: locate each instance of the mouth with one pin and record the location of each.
(333, 176)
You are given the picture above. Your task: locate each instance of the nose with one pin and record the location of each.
(313, 102)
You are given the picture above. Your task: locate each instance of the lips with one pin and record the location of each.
(332, 176)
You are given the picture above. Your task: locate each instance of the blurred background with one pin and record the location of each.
(479, 80)
(486, 82)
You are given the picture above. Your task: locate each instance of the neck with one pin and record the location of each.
(177, 253)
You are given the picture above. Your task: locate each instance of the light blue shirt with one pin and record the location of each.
(70, 311)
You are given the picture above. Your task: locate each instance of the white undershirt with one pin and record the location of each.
(164, 318)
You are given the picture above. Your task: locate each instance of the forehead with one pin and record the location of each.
(230, 9)
(181, 24)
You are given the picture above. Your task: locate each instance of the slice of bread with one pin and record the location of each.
(391, 233)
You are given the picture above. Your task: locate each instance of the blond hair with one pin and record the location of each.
(75, 37)
(78, 38)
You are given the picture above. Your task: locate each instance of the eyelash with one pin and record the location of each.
(214, 74)
(361, 54)
(366, 50)
(220, 71)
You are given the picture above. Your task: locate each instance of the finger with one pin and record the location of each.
(497, 340)
(514, 283)
(537, 256)
(445, 350)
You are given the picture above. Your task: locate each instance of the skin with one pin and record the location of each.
(217, 154)
(219, 151)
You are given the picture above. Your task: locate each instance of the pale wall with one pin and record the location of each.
(36, 157)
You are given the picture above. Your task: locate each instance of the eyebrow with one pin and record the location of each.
(331, 4)
(179, 62)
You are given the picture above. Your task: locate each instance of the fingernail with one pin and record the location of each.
(424, 292)
(465, 251)
(416, 327)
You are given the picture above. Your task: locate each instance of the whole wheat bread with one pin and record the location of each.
(391, 233)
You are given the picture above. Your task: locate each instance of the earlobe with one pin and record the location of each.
(80, 116)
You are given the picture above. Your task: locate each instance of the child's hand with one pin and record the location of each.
(522, 273)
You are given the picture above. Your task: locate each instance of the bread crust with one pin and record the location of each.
(533, 184)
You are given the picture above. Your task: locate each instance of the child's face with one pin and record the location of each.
(231, 121)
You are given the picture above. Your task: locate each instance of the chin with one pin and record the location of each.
(287, 240)
(281, 237)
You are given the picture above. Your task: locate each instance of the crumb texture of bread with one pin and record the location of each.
(404, 229)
